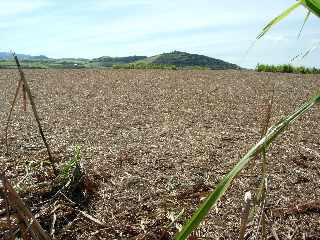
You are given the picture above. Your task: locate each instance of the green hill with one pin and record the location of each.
(187, 60)
(171, 60)
(110, 61)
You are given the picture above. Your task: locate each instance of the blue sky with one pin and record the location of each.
(220, 29)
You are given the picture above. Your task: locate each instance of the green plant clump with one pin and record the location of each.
(67, 169)
(286, 68)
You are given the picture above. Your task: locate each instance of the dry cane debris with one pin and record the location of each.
(154, 143)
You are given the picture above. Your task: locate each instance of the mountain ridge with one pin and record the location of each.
(176, 58)
(8, 56)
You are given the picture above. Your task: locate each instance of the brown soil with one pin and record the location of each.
(156, 142)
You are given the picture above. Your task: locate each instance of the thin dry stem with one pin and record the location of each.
(27, 89)
(10, 113)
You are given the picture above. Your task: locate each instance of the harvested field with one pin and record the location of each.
(156, 142)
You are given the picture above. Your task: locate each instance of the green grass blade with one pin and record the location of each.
(279, 18)
(310, 50)
(302, 55)
(313, 6)
(304, 23)
(222, 187)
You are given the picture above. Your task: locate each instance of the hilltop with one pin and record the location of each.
(187, 60)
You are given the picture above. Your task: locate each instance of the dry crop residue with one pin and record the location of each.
(155, 142)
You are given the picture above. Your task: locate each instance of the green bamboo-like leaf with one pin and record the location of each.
(222, 187)
(313, 6)
(306, 53)
(310, 50)
(304, 23)
(279, 18)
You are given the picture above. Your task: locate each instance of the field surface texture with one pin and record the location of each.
(156, 142)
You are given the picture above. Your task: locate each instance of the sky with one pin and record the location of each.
(219, 29)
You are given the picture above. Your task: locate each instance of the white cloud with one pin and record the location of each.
(171, 17)
(172, 20)
(276, 38)
(105, 4)
(16, 7)
(146, 27)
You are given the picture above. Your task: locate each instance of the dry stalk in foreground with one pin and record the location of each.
(27, 91)
(28, 225)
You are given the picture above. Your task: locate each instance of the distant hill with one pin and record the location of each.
(8, 56)
(185, 60)
(110, 61)
(176, 59)
(5, 55)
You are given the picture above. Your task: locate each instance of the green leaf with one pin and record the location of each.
(301, 56)
(313, 6)
(279, 18)
(304, 22)
(310, 50)
(222, 187)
